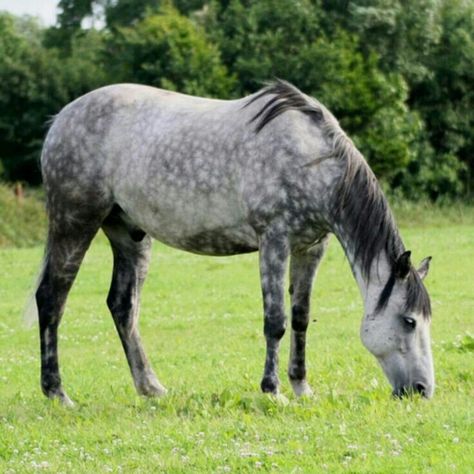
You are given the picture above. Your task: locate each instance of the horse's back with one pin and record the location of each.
(189, 171)
(167, 159)
(111, 128)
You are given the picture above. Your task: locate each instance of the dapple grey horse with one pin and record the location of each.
(272, 172)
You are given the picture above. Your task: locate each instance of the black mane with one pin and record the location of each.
(286, 97)
(359, 207)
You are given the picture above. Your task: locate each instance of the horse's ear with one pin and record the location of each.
(403, 264)
(424, 267)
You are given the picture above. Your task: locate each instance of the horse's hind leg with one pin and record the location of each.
(131, 250)
(302, 271)
(64, 254)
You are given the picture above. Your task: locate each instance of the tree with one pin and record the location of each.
(445, 98)
(168, 50)
(287, 39)
(401, 32)
(35, 83)
(429, 43)
(397, 74)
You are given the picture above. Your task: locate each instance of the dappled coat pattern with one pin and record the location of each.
(272, 172)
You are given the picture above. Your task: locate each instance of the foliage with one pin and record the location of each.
(397, 74)
(401, 32)
(22, 219)
(72, 12)
(445, 98)
(260, 40)
(430, 44)
(35, 82)
(168, 50)
(30, 91)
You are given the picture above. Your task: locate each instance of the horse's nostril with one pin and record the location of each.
(420, 388)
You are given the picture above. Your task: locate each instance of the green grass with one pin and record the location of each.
(202, 327)
(22, 221)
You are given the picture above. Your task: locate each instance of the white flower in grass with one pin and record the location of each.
(247, 454)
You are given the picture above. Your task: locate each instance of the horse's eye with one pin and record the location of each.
(410, 322)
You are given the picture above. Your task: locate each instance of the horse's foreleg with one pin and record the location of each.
(131, 260)
(63, 257)
(302, 271)
(274, 252)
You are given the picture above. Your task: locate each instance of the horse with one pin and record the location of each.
(272, 172)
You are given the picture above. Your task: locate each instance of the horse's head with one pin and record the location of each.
(397, 332)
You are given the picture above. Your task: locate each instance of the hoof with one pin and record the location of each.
(61, 396)
(153, 391)
(301, 388)
(270, 385)
(150, 387)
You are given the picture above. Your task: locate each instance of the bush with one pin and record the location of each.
(168, 50)
(35, 83)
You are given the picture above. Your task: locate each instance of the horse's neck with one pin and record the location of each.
(365, 226)
(370, 283)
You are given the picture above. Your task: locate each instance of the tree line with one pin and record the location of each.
(398, 74)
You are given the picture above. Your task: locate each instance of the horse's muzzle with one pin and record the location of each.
(409, 390)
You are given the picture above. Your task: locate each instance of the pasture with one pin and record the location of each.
(201, 322)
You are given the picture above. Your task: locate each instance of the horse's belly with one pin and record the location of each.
(220, 240)
(205, 226)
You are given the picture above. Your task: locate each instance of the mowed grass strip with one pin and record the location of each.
(201, 323)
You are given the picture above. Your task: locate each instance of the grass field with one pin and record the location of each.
(22, 220)
(202, 326)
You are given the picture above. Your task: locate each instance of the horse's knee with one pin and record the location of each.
(299, 318)
(274, 327)
(115, 303)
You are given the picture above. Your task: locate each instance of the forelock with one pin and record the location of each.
(417, 299)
